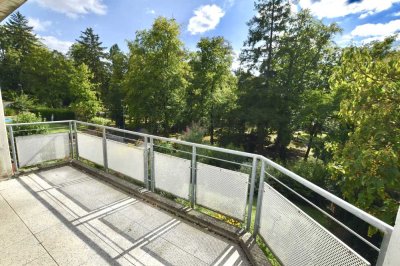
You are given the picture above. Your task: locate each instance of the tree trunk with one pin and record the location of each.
(313, 133)
(212, 125)
(261, 134)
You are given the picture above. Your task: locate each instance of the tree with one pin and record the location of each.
(46, 75)
(16, 42)
(367, 163)
(259, 56)
(213, 83)
(116, 95)
(288, 61)
(84, 103)
(156, 77)
(88, 50)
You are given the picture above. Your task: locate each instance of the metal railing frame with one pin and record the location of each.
(150, 179)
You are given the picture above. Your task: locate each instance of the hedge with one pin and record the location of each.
(59, 113)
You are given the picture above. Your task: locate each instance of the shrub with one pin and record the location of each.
(195, 133)
(10, 112)
(22, 102)
(101, 121)
(27, 117)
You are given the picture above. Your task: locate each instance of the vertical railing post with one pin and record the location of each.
(146, 160)
(105, 158)
(251, 194)
(389, 254)
(76, 141)
(152, 175)
(383, 248)
(259, 199)
(193, 187)
(71, 140)
(13, 149)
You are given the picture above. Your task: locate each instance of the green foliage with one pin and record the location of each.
(288, 52)
(195, 133)
(101, 121)
(22, 102)
(88, 50)
(27, 117)
(55, 113)
(156, 77)
(16, 42)
(47, 74)
(212, 91)
(366, 165)
(85, 103)
(115, 94)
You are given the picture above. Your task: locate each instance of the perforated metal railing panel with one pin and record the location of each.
(90, 148)
(296, 239)
(222, 190)
(126, 159)
(172, 174)
(35, 149)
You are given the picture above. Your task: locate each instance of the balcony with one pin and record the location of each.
(86, 194)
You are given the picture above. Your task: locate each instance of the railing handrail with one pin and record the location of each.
(370, 219)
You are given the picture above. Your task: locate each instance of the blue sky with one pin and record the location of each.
(58, 23)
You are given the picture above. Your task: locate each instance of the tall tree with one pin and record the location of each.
(115, 95)
(367, 163)
(88, 50)
(156, 77)
(16, 42)
(213, 82)
(259, 56)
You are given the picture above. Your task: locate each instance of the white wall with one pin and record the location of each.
(5, 159)
(392, 257)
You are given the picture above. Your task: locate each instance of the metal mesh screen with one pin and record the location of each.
(35, 149)
(297, 239)
(222, 190)
(90, 148)
(172, 174)
(126, 159)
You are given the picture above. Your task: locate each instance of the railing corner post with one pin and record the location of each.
(251, 194)
(259, 199)
(389, 250)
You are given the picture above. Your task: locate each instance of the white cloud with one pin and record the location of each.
(56, 44)
(38, 25)
(150, 11)
(74, 8)
(397, 14)
(205, 18)
(373, 32)
(379, 29)
(341, 8)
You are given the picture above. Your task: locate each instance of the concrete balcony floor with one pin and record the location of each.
(63, 216)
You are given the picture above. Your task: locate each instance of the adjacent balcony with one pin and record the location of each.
(87, 194)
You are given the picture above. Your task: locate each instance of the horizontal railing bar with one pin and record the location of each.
(40, 129)
(172, 149)
(382, 226)
(223, 160)
(324, 212)
(40, 123)
(201, 146)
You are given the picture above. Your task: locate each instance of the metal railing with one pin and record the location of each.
(216, 179)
